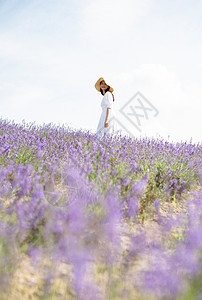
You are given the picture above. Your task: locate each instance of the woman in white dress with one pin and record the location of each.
(107, 124)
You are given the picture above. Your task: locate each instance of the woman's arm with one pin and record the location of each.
(109, 102)
(106, 119)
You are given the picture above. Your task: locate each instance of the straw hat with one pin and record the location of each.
(97, 85)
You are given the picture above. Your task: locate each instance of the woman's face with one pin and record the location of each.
(103, 85)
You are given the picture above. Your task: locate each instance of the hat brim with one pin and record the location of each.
(97, 85)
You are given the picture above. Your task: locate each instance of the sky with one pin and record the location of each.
(53, 52)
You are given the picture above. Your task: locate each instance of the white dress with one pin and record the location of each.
(107, 102)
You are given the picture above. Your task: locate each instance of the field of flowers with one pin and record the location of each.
(88, 218)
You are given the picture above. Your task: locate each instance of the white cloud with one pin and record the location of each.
(155, 80)
(110, 19)
(179, 105)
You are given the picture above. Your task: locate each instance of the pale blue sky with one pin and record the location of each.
(53, 52)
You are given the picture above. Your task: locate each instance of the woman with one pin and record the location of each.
(107, 122)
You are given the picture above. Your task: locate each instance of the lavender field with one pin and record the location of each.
(88, 218)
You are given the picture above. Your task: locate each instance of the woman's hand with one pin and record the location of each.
(106, 118)
(106, 124)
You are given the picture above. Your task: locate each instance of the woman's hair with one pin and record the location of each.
(106, 91)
